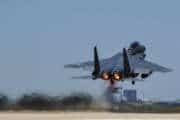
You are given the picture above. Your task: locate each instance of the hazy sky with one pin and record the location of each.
(37, 37)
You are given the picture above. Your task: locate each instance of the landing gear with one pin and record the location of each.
(133, 82)
(112, 82)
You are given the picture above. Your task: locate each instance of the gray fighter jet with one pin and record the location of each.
(128, 65)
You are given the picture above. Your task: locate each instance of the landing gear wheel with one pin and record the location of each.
(133, 82)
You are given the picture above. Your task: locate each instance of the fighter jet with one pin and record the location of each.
(129, 64)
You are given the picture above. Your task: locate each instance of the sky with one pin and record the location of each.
(37, 37)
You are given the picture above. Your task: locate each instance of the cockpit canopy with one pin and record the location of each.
(136, 48)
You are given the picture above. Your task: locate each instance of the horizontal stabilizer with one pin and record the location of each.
(72, 66)
(82, 77)
(137, 79)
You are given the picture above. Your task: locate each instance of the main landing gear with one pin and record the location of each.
(133, 82)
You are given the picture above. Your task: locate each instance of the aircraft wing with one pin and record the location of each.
(144, 65)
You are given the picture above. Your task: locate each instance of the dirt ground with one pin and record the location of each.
(84, 116)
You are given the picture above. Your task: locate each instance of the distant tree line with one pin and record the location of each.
(78, 101)
(4, 101)
(37, 101)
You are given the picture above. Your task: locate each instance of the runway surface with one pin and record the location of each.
(84, 116)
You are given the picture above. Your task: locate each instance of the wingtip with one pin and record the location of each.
(167, 70)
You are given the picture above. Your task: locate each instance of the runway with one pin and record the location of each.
(84, 116)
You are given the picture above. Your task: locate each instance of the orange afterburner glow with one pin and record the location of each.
(117, 75)
(105, 76)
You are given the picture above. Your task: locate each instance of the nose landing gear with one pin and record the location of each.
(133, 82)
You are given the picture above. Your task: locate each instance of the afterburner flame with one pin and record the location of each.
(105, 76)
(117, 75)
